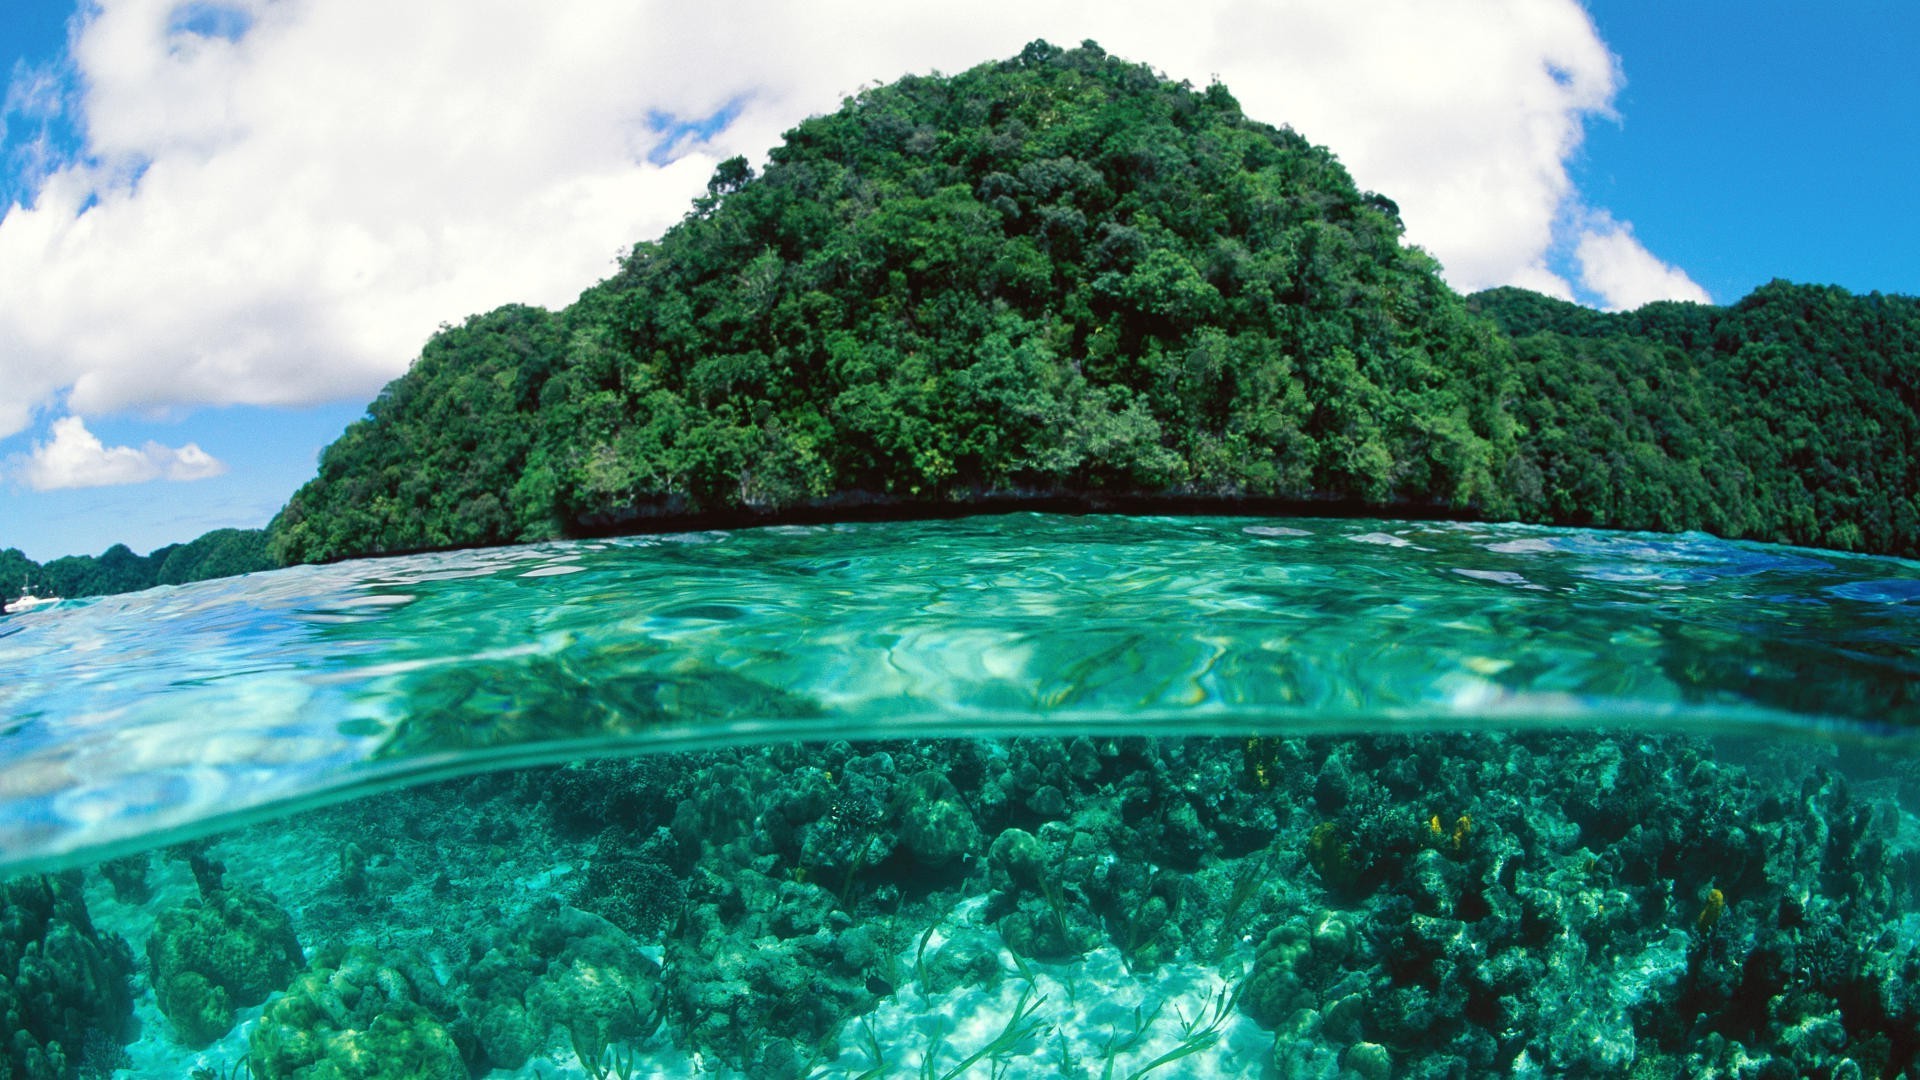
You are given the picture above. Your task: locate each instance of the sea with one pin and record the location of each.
(1013, 795)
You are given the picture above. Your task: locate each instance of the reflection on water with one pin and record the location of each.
(1020, 796)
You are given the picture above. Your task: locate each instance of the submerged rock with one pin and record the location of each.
(936, 827)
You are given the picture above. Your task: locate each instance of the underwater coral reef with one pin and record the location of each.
(1430, 905)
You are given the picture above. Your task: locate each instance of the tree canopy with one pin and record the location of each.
(220, 553)
(1792, 416)
(1056, 274)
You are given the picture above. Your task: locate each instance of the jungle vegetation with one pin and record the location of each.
(1791, 416)
(220, 553)
(1056, 274)
(1064, 275)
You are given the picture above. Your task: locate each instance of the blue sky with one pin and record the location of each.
(228, 222)
(1765, 138)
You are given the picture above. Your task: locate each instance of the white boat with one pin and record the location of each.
(28, 603)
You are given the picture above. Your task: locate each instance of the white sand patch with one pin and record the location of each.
(1058, 1019)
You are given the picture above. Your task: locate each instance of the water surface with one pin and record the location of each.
(148, 713)
(1020, 796)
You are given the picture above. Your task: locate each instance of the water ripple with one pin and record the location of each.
(160, 712)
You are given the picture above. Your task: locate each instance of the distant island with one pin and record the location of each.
(1063, 277)
(217, 554)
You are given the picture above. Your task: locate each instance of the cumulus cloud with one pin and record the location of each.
(76, 458)
(1623, 274)
(278, 200)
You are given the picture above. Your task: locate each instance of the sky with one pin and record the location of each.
(225, 224)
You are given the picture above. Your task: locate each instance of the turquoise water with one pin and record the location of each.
(1273, 797)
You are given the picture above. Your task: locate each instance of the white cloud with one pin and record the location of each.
(76, 458)
(284, 217)
(33, 93)
(1623, 274)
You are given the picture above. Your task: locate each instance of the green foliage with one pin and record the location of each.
(116, 570)
(220, 553)
(1196, 1034)
(440, 452)
(1064, 275)
(227, 1070)
(1056, 274)
(1022, 1027)
(1792, 416)
(19, 575)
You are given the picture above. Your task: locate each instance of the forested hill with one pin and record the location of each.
(1793, 415)
(1063, 275)
(1056, 274)
(220, 553)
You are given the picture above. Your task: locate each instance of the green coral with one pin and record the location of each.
(225, 951)
(561, 967)
(63, 984)
(359, 1020)
(1299, 966)
(762, 974)
(935, 824)
(128, 876)
(1035, 904)
(1332, 857)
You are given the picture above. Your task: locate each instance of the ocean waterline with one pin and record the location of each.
(1272, 797)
